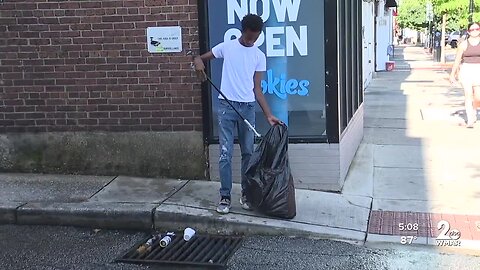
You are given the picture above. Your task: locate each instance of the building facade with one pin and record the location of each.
(80, 93)
(87, 87)
(384, 32)
(313, 81)
(368, 40)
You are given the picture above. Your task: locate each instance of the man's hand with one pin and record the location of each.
(200, 69)
(272, 120)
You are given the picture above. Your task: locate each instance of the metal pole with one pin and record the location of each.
(430, 36)
(471, 9)
(430, 17)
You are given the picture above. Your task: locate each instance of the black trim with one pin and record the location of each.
(360, 54)
(331, 69)
(323, 139)
(342, 65)
(204, 42)
(202, 7)
(351, 72)
(291, 140)
(343, 69)
(354, 44)
(349, 54)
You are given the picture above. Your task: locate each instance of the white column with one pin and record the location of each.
(368, 42)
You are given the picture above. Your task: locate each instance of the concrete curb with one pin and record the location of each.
(94, 215)
(8, 212)
(145, 217)
(177, 217)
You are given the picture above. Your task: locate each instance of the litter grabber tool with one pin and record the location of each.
(250, 126)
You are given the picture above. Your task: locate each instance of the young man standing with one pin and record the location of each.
(243, 68)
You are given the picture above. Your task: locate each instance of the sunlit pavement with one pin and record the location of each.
(420, 157)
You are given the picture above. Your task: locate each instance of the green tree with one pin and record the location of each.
(453, 11)
(412, 14)
(457, 12)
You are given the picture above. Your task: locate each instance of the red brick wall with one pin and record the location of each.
(84, 66)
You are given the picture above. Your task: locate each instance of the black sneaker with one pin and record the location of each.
(244, 203)
(224, 205)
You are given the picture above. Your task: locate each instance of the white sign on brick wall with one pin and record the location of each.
(166, 39)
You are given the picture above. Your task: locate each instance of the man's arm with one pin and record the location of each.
(261, 99)
(198, 61)
(204, 57)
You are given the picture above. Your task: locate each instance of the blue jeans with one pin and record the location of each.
(227, 121)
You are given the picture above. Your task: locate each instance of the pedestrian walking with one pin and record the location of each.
(243, 67)
(467, 69)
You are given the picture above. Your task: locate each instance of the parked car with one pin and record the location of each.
(455, 37)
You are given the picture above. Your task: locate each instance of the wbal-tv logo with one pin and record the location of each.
(447, 237)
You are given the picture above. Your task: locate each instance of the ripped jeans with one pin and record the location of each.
(227, 121)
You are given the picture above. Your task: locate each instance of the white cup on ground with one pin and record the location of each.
(188, 233)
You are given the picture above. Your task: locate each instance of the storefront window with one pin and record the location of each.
(293, 41)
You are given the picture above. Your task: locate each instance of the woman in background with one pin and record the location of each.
(468, 55)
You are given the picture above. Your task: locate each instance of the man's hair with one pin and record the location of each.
(252, 22)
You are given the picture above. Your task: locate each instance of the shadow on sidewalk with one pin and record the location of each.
(417, 152)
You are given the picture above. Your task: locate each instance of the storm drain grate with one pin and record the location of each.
(202, 250)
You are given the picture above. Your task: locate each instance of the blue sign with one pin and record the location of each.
(280, 87)
(293, 41)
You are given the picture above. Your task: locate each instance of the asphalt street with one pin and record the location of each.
(49, 248)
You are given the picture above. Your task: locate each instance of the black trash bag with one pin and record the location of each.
(269, 187)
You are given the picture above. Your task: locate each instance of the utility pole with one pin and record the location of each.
(470, 11)
(444, 25)
(430, 30)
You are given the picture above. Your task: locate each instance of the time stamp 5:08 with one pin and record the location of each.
(447, 237)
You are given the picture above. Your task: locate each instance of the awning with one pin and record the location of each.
(390, 3)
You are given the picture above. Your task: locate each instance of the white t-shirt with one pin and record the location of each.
(239, 66)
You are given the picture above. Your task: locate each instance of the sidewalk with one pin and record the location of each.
(421, 58)
(137, 203)
(416, 164)
(417, 160)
